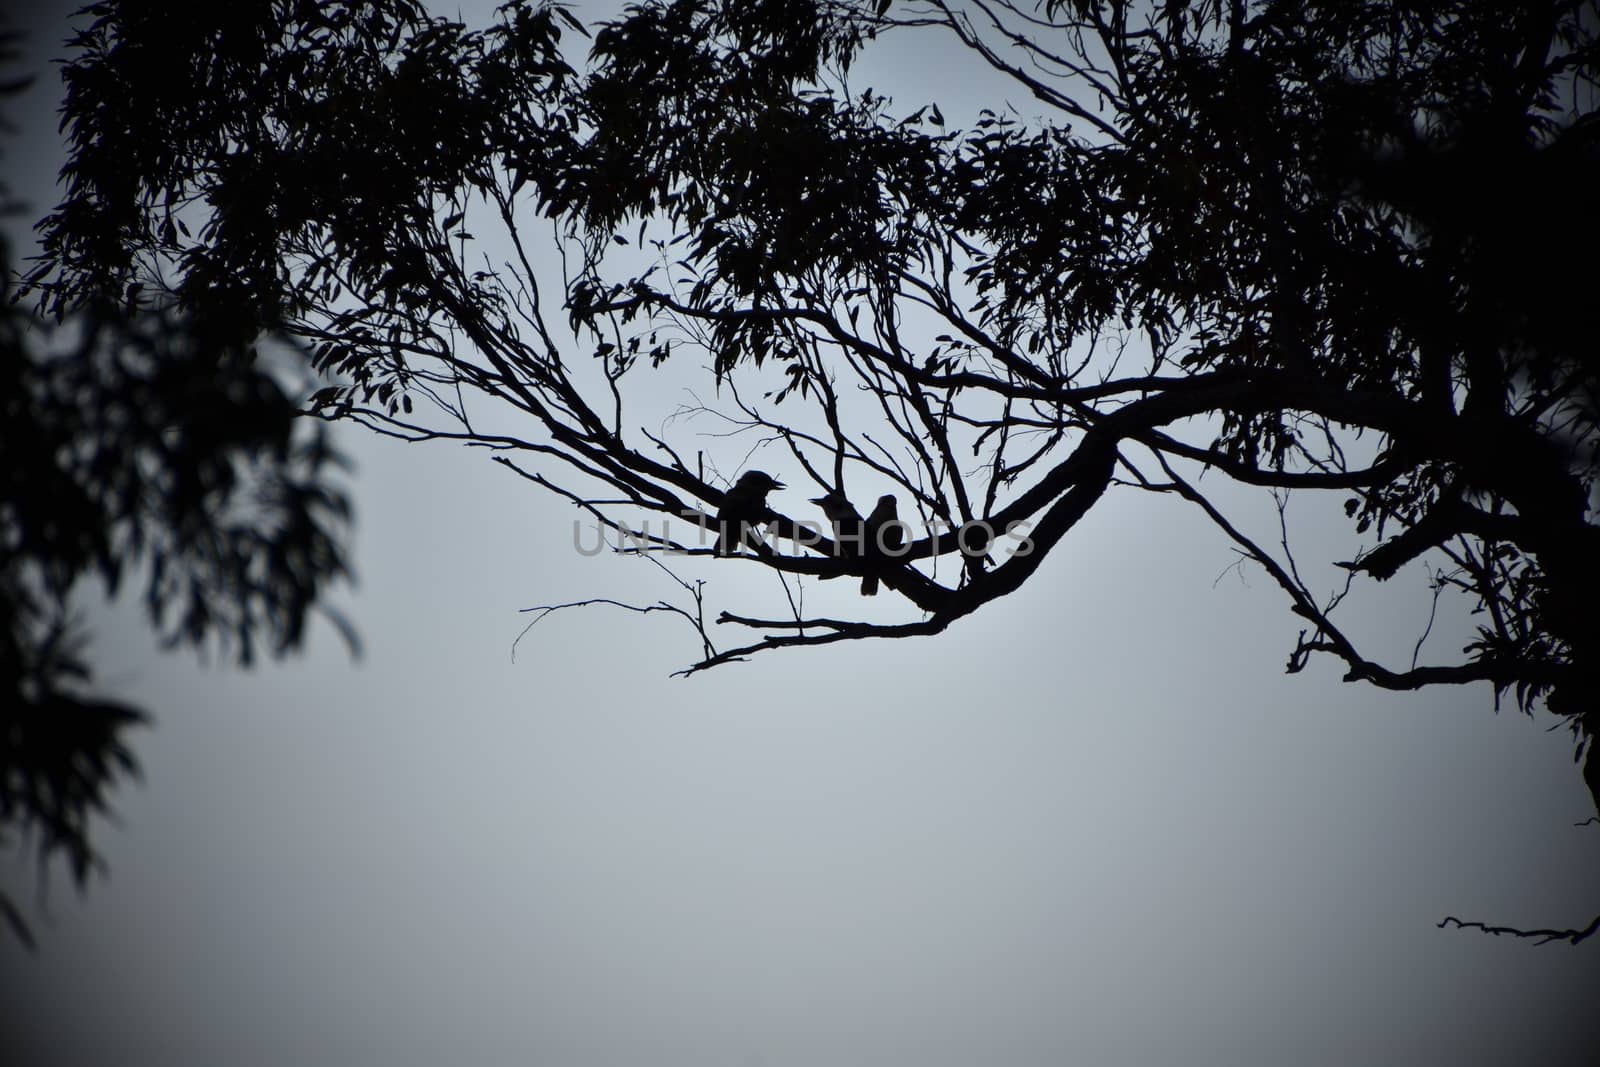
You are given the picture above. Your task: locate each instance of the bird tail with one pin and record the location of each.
(869, 585)
(732, 537)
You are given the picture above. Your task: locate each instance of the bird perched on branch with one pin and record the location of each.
(744, 507)
(885, 536)
(848, 535)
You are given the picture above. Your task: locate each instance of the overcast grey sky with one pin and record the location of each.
(1095, 824)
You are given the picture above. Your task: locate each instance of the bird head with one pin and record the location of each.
(757, 483)
(835, 505)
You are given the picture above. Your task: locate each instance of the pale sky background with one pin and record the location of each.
(1095, 824)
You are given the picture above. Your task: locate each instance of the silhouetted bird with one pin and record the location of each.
(743, 508)
(847, 530)
(886, 536)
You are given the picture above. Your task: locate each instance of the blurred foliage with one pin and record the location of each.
(143, 442)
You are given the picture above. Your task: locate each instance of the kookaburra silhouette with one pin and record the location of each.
(848, 534)
(744, 507)
(885, 536)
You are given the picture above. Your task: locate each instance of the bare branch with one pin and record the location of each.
(1539, 937)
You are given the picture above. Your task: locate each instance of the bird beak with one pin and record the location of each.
(778, 485)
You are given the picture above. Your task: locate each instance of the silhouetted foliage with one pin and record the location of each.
(143, 440)
(1310, 248)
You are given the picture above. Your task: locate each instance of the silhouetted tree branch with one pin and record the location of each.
(1307, 248)
(1539, 937)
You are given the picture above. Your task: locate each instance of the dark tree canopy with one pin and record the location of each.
(1340, 249)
